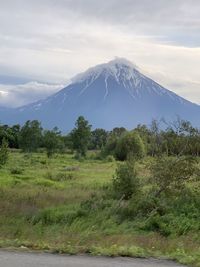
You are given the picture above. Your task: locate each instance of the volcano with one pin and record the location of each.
(108, 95)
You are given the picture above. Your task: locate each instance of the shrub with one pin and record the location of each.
(16, 170)
(125, 181)
(110, 158)
(43, 162)
(168, 194)
(94, 155)
(130, 145)
(170, 175)
(110, 147)
(63, 176)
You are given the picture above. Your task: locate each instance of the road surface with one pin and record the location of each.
(22, 259)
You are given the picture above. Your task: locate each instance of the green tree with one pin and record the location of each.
(98, 138)
(155, 139)
(110, 146)
(4, 152)
(10, 134)
(80, 136)
(51, 141)
(130, 144)
(14, 142)
(30, 136)
(118, 131)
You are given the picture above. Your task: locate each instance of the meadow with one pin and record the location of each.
(60, 204)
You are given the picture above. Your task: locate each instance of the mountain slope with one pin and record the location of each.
(108, 95)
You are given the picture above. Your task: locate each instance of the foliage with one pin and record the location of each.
(16, 170)
(169, 206)
(51, 141)
(118, 131)
(30, 136)
(59, 205)
(81, 136)
(110, 146)
(170, 175)
(130, 145)
(176, 138)
(112, 140)
(4, 152)
(49, 206)
(125, 181)
(110, 158)
(98, 138)
(11, 134)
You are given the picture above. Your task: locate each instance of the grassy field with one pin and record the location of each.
(44, 205)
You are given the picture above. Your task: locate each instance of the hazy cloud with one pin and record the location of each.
(21, 94)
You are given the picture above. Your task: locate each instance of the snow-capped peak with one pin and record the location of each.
(116, 68)
(121, 62)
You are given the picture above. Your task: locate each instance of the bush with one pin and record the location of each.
(43, 162)
(170, 175)
(130, 145)
(110, 158)
(63, 176)
(94, 155)
(168, 204)
(110, 147)
(16, 170)
(125, 181)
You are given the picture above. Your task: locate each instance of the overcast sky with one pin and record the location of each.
(43, 43)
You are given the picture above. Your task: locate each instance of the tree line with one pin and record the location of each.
(177, 138)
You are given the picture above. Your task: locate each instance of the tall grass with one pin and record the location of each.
(46, 204)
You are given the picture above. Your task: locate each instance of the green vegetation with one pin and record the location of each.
(129, 144)
(125, 181)
(173, 139)
(3, 152)
(51, 141)
(129, 193)
(80, 136)
(30, 136)
(71, 206)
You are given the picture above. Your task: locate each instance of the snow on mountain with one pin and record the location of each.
(123, 72)
(109, 95)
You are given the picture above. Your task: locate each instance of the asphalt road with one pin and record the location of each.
(19, 259)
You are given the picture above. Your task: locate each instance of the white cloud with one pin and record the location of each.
(21, 94)
(51, 41)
